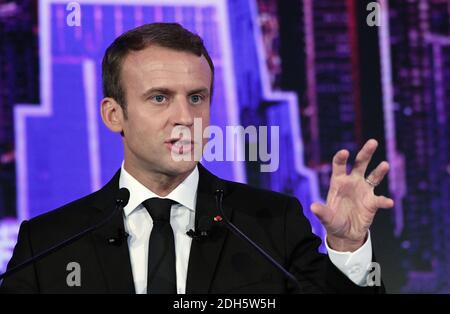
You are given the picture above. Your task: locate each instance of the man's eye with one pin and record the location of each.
(159, 98)
(195, 99)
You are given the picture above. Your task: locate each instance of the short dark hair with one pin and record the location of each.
(167, 35)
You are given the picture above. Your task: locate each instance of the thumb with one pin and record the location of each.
(322, 212)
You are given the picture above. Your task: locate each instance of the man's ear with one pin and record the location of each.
(112, 114)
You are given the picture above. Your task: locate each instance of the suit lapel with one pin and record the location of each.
(204, 255)
(114, 257)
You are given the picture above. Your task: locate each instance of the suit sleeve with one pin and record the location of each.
(24, 280)
(314, 271)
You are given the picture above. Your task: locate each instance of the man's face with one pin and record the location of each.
(164, 89)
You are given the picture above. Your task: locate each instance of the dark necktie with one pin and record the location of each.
(161, 271)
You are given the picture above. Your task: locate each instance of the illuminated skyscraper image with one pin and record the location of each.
(315, 70)
(419, 41)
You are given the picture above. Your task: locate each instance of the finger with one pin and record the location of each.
(339, 166)
(378, 174)
(364, 156)
(384, 202)
(322, 212)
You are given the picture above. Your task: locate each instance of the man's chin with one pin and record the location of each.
(177, 168)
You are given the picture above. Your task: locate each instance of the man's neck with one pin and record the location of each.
(157, 182)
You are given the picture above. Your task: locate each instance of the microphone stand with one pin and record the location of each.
(121, 201)
(219, 196)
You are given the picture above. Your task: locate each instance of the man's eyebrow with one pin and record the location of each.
(167, 91)
(161, 90)
(203, 90)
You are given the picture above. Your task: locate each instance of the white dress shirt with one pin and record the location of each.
(138, 224)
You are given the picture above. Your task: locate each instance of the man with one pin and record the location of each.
(158, 78)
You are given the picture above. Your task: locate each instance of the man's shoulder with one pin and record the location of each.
(241, 192)
(257, 195)
(78, 212)
(71, 215)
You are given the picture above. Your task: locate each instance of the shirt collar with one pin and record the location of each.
(185, 193)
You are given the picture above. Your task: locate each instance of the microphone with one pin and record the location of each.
(121, 200)
(203, 230)
(220, 188)
(121, 237)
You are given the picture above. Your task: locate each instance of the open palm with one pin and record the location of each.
(351, 203)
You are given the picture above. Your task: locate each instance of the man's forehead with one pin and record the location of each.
(158, 67)
(155, 58)
(165, 68)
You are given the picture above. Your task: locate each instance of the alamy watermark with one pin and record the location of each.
(373, 18)
(263, 144)
(74, 17)
(373, 277)
(73, 278)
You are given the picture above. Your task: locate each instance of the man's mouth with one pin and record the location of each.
(179, 145)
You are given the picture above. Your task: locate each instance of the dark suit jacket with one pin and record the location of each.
(221, 263)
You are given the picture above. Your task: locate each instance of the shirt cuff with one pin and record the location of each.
(355, 265)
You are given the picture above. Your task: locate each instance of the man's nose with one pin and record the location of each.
(183, 114)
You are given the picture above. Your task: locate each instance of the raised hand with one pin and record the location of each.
(351, 203)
